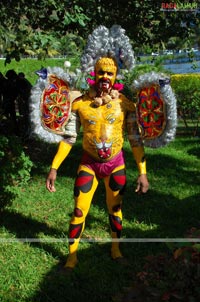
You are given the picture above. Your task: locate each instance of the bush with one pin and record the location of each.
(15, 168)
(186, 87)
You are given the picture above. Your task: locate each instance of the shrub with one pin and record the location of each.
(186, 87)
(15, 168)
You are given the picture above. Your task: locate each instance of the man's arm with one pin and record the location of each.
(63, 150)
(142, 181)
(137, 147)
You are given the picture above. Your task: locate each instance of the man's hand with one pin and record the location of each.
(50, 181)
(142, 184)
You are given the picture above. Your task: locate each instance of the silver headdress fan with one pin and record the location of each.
(104, 42)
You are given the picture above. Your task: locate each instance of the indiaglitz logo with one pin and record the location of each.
(179, 6)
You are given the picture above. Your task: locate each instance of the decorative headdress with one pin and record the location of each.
(112, 43)
(111, 47)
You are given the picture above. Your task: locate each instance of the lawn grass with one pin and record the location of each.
(29, 66)
(30, 270)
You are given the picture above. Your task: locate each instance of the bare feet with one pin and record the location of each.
(71, 261)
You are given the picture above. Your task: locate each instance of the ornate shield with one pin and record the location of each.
(151, 112)
(55, 105)
(156, 109)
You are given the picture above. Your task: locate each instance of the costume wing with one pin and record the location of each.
(50, 104)
(156, 109)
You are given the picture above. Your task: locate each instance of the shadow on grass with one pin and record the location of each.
(171, 206)
(157, 214)
(41, 154)
(27, 228)
(97, 278)
(195, 151)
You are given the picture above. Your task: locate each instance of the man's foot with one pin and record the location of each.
(115, 253)
(118, 257)
(64, 271)
(71, 261)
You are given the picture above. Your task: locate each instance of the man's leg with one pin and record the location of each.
(115, 185)
(85, 186)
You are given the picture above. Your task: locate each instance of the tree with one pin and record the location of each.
(36, 27)
(144, 21)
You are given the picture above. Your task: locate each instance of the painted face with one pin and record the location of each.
(105, 79)
(106, 70)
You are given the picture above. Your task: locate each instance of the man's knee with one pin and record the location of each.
(83, 183)
(118, 181)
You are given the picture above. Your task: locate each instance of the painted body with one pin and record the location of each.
(103, 126)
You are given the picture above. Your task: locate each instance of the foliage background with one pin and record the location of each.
(45, 27)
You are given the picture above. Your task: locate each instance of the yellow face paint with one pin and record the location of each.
(106, 70)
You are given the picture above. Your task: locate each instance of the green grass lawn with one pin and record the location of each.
(30, 270)
(29, 66)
